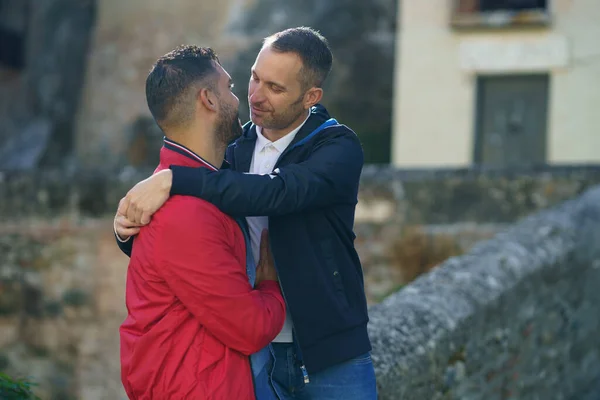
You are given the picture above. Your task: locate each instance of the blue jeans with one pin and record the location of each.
(350, 380)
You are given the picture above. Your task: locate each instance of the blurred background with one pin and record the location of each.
(472, 114)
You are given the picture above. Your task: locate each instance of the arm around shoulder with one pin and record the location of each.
(330, 175)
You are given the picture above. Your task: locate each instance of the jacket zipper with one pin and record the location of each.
(295, 336)
(304, 374)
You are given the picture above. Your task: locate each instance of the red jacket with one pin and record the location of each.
(193, 318)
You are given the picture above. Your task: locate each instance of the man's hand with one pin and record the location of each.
(124, 228)
(265, 270)
(146, 197)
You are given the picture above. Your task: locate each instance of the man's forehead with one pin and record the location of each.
(223, 75)
(276, 65)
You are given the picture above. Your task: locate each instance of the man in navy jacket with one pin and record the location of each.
(296, 171)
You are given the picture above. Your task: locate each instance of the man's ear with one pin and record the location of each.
(312, 97)
(208, 99)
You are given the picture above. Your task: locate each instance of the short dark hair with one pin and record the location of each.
(173, 82)
(312, 48)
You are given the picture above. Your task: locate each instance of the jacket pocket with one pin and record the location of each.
(334, 272)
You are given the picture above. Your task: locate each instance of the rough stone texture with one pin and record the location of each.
(517, 317)
(442, 196)
(387, 195)
(467, 205)
(61, 304)
(62, 280)
(38, 103)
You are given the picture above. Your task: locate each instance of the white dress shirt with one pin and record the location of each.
(266, 154)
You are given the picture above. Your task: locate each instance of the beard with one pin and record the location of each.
(228, 127)
(283, 119)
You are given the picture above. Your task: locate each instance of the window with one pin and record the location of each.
(499, 13)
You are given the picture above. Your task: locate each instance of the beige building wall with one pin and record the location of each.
(129, 36)
(435, 81)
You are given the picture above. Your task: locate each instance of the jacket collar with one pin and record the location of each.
(173, 153)
(244, 146)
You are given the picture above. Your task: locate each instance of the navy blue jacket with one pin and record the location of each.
(310, 199)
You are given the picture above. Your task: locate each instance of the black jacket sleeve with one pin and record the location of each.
(330, 175)
(127, 246)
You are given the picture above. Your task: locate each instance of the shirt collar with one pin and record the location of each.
(177, 154)
(280, 144)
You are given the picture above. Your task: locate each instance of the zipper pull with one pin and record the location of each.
(305, 374)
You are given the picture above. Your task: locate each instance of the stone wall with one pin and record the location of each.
(38, 102)
(444, 211)
(61, 303)
(62, 276)
(402, 214)
(387, 195)
(517, 317)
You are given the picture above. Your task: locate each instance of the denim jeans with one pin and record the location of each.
(350, 380)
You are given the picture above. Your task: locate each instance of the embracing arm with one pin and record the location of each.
(199, 266)
(330, 175)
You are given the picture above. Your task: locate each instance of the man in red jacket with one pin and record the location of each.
(194, 317)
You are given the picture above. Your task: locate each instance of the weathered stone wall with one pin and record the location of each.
(62, 277)
(387, 195)
(450, 210)
(62, 300)
(37, 103)
(446, 212)
(517, 317)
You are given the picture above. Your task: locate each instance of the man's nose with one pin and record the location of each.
(256, 95)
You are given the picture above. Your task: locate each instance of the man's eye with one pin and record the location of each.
(231, 86)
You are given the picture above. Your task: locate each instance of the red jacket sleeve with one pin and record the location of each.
(195, 249)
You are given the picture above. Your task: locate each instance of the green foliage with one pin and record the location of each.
(16, 389)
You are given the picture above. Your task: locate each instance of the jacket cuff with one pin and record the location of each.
(183, 180)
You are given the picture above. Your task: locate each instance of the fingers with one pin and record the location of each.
(123, 206)
(138, 215)
(125, 228)
(125, 233)
(264, 244)
(131, 211)
(145, 218)
(123, 222)
(134, 213)
(146, 197)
